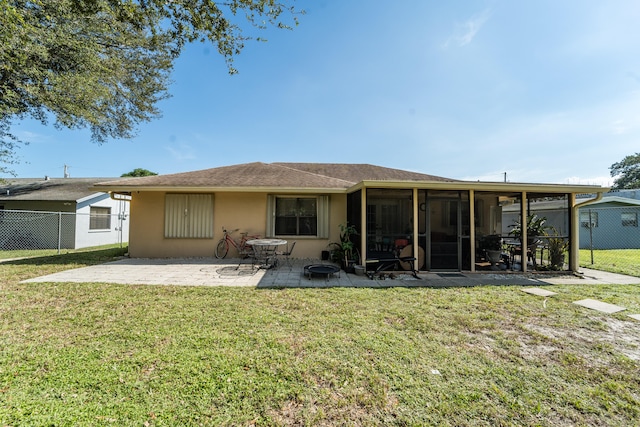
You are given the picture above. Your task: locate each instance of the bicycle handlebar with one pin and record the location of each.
(232, 231)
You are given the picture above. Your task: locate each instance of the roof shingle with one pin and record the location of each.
(51, 189)
(287, 175)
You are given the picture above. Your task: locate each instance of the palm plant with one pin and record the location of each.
(536, 226)
(558, 246)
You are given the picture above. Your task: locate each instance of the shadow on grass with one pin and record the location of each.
(89, 257)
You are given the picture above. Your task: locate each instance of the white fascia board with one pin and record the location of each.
(91, 196)
(187, 189)
(482, 186)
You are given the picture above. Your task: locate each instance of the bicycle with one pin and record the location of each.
(244, 250)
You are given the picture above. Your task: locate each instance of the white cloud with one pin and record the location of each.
(32, 137)
(465, 33)
(181, 152)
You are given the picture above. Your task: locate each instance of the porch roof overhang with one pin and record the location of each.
(502, 187)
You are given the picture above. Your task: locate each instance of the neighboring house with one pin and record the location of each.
(555, 210)
(60, 212)
(610, 223)
(431, 217)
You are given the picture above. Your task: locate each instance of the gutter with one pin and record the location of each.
(574, 260)
(120, 196)
(598, 197)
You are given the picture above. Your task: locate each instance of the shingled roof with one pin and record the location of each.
(355, 173)
(271, 175)
(49, 189)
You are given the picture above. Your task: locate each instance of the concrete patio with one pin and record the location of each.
(235, 272)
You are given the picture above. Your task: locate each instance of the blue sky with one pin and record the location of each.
(546, 91)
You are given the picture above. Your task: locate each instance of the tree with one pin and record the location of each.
(138, 172)
(105, 64)
(626, 172)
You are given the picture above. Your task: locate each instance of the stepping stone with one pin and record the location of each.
(635, 316)
(599, 305)
(538, 291)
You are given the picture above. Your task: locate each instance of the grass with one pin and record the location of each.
(40, 253)
(107, 355)
(623, 261)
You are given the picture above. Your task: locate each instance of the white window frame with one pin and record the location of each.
(188, 216)
(322, 215)
(631, 219)
(99, 218)
(584, 219)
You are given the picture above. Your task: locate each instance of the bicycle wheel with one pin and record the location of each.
(222, 249)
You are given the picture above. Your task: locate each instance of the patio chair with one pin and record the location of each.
(287, 253)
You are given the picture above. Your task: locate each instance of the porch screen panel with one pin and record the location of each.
(188, 216)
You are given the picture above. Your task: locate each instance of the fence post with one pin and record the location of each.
(59, 231)
(591, 236)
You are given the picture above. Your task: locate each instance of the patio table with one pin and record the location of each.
(264, 251)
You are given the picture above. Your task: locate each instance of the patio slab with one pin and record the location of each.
(599, 305)
(589, 276)
(539, 292)
(235, 272)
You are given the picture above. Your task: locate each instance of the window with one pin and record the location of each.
(629, 219)
(99, 218)
(589, 219)
(298, 216)
(188, 216)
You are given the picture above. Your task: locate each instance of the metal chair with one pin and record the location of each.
(287, 254)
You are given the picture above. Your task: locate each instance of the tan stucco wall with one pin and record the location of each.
(246, 211)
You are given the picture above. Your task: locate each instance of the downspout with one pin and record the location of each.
(121, 198)
(524, 239)
(414, 229)
(363, 227)
(472, 228)
(574, 248)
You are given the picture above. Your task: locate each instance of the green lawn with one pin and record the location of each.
(113, 355)
(623, 261)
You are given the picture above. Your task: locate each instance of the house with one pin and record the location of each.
(440, 221)
(610, 222)
(55, 213)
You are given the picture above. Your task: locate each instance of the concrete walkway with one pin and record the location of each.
(234, 272)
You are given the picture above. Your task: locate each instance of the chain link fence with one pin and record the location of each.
(610, 239)
(35, 230)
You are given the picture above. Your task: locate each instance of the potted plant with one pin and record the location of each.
(558, 246)
(493, 247)
(344, 252)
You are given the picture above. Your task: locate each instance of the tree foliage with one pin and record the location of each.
(105, 64)
(138, 172)
(626, 172)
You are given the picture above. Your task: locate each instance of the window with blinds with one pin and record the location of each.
(298, 216)
(99, 218)
(188, 216)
